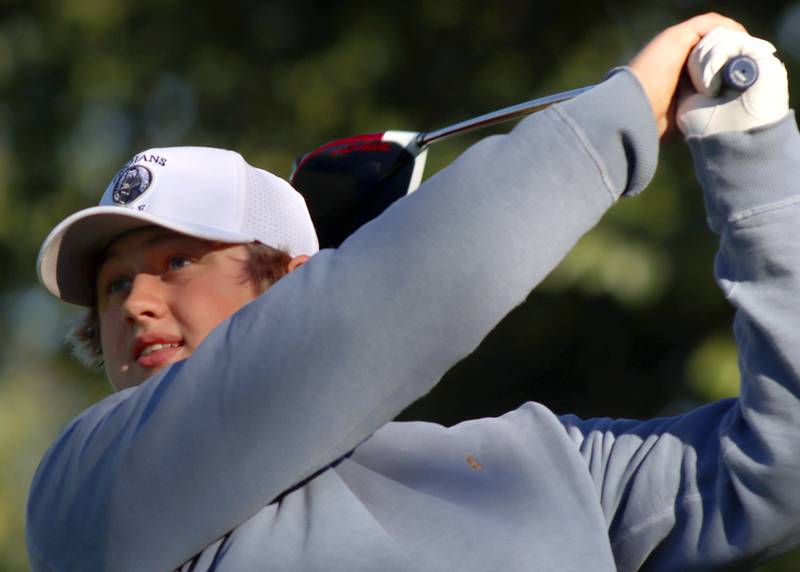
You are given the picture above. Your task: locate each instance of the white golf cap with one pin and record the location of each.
(202, 192)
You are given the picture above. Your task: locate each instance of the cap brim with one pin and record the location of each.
(66, 262)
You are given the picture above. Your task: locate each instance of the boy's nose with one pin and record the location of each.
(146, 298)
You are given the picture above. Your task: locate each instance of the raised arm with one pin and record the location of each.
(718, 486)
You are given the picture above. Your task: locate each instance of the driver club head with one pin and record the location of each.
(348, 182)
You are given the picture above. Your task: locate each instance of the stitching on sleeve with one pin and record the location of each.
(737, 217)
(586, 144)
(669, 511)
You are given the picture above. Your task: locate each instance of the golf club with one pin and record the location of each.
(348, 182)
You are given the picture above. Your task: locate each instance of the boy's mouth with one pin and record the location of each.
(155, 347)
(151, 351)
(159, 354)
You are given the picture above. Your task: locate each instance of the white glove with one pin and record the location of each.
(715, 109)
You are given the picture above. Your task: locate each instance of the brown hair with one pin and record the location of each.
(265, 266)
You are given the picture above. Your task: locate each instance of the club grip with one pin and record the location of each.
(739, 73)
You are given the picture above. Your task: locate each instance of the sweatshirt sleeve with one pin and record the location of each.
(718, 487)
(151, 476)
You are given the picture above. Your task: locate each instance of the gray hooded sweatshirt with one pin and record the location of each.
(273, 448)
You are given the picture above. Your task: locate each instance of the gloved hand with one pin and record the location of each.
(714, 109)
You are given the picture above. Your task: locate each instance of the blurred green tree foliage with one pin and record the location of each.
(631, 324)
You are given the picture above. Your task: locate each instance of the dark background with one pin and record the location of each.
(630, 325)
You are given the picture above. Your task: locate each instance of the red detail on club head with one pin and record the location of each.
(362, 146)
(366, 139)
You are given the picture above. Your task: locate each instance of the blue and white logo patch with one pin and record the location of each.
(130, 183)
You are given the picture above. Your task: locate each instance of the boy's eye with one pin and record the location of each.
(177, 262)
(118, 285)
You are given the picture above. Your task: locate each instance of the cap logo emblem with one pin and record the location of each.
(130, 183)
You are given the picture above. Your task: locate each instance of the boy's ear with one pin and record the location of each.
(297, 262)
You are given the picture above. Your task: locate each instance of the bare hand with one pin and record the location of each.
(659, 64)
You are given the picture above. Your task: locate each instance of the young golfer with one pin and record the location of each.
(252, 427)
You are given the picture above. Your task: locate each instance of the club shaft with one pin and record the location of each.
(499, 116)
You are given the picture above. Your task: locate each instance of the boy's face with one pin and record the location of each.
(159, 294)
